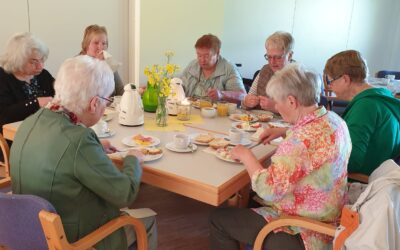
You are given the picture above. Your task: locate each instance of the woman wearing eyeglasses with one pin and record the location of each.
(25, 85)
(373, 114)
(57, 156)
(307, 176)
(211, 75)
(279, 52)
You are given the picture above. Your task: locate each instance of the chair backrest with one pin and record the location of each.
(20, 227)
(383, 73)
(5, 150)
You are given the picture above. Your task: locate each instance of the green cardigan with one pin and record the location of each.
(373, 118)
(65, 164)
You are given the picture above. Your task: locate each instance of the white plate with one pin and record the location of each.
(172, 147)
(236, 117)
(128, 141)
(218, 155)
(251, 129)
(244, 142)
(146, 158)
(192, 136)
(279, 124)
(109, 133)
(153, 157)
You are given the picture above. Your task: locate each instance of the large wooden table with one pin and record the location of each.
(199, 175)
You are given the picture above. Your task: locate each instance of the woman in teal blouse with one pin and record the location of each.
(372, 116)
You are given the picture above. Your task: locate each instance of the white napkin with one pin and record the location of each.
(114, 65)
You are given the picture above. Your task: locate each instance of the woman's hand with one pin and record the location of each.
(108, 148)
(271, 133)
(214, 94)
(240, 153)
(250, 101)
(44, 100)
(137, 153)
(267, 103)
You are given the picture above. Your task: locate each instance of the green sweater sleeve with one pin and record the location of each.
(96, 171)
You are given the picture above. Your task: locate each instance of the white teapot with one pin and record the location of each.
(131, 107)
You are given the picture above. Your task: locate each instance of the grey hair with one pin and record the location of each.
(294, 80)
(280, 40)
(18, 50)
(81, 78)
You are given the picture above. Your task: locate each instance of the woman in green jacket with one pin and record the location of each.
(372, 116)
(55, 155)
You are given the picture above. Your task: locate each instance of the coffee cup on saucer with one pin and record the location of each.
(181, 141)
(101, 127)
(235, 135)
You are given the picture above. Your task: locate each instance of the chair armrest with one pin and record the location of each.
(297, 221)
(54, 232)
(358, 177)
(5, 182)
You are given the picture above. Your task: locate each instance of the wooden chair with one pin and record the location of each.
(6, 181)
(56, 239)
(303, 222)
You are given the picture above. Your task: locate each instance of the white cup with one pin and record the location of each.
(116, 102)
(181, 141)
(208, 112)
(235, 135)
(232, 108)
(101, 127)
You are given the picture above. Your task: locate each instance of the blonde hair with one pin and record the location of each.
(296, 81)
(280, 40)
(90, 31)
(18, 50)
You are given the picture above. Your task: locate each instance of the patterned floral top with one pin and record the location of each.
(308, 175)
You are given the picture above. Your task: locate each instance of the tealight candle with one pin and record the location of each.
(183, 110)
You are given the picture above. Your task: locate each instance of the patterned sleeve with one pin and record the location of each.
(254, 85)
(287, 168)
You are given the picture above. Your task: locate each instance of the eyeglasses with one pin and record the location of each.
(329, 82)
(110, 100)
(275, 58)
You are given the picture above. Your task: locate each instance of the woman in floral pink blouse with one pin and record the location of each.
(307, 176)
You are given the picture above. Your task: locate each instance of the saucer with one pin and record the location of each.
(109, 133)
(172, 147)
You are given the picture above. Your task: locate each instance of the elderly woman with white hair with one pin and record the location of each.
(279, 51)
(56, 156)
(307, 176)
(25, 85)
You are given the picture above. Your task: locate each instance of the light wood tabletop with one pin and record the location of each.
(198, 175)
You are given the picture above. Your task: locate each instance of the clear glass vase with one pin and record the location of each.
(161, 112)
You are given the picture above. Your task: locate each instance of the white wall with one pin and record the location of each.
(176, 25)
(60, 24)
(320, 28)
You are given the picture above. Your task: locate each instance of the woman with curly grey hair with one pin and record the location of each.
(25, 85)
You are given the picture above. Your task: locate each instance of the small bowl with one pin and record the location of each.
(208, 112)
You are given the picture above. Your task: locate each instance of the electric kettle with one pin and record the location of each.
(131, 107)
(177, 95)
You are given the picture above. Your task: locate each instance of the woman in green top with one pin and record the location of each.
(372, 115)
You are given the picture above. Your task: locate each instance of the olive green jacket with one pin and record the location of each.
(65, 164)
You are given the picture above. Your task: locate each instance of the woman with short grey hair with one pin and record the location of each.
(279, 52)
(70, 165)
(25, 85)
(307, 176)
